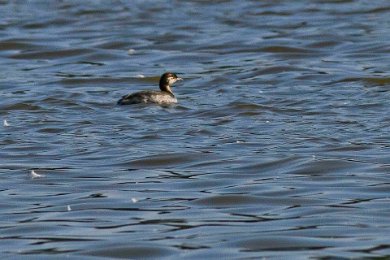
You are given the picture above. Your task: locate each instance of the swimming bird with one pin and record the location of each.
(163, 97)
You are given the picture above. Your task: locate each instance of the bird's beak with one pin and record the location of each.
(179, 79)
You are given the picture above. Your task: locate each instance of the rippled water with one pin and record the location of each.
(279, 146)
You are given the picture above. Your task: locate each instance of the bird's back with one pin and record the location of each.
(148, 96)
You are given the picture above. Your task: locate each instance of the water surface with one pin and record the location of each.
(279, 146)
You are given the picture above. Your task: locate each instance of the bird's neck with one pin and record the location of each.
(167, 88)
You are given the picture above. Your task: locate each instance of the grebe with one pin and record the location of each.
(163, 97)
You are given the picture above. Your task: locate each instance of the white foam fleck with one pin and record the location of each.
(140, 76)
(134, 200)
(68, 208)
(5, 123)
(131, 51)
(36, 175)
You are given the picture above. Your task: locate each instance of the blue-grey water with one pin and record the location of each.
(279, 146)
